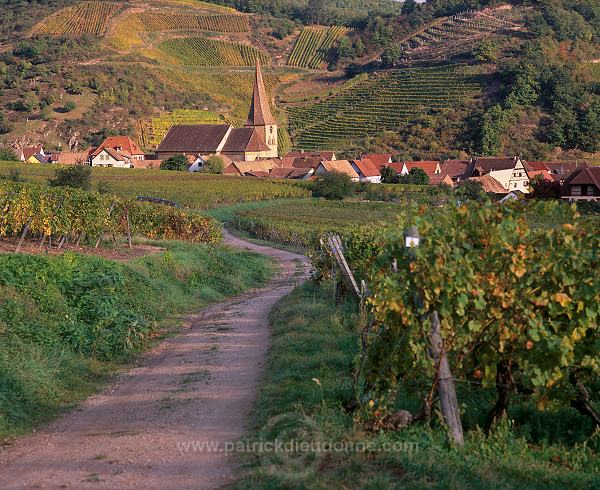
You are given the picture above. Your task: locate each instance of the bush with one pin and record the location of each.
(334, 185)
(6, 154)
(78, 176)
(470, 190)
(416, 176)
(389, 176)
(177, 162)
(214, 165)
(70, 106)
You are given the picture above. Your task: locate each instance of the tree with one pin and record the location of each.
(177, 162)
(486, 51)
(470, 190)
(314, 11)
(79, 176)
(416, 176)
(214, 165)
(70, 106)
(5, 126)
(6, 154)
(391, 55)
(544, 189)
(389, 176)
(408, 7)
(334, 186)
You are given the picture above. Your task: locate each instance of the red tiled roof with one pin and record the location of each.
(125, 143)
(281, 172)
(562, 168)
(312, 162)
(30, 151)
(490, 184)
(584, 176)
(113, 153)
(340, 166)
(489, 164)
(396, 166)
(145, 163)
(367, 167)
(454, 168)
(379, 159)
(323, 155)
(428, 166)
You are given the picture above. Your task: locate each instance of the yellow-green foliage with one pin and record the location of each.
(314, 45)
(84, 18)
(212, 52)
(167, 21)
(153, 130)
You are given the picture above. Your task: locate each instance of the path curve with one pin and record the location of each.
(197, 386)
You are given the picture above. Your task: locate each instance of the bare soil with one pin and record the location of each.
(197, 386)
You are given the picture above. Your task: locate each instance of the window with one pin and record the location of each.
(271, 129)
(526, 184)
(515, 185)
(576, 190)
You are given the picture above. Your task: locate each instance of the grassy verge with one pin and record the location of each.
(309, 381)
(66, 322)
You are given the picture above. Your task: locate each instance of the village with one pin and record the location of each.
(252, 151)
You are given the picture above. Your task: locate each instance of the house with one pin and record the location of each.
(438, 179)
(37, 158)
(511, 173)
(124, 145)
(28, 151)
(197, 163)
(555, 171)
(454, 169)
(430, 167)
(339, 166)
(367, 171)
(378, 159)
(323, 155)
(257, 139)
(108, 157)
(490, 185)
(291, 173)
(252, 168)
(71, 157)
(583, 184)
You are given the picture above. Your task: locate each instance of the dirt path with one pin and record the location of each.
(197, 386)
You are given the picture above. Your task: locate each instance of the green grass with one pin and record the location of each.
(313, 339)
(66, 322)
(193, 190)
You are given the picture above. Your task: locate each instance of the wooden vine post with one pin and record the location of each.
(445, 383)
(334, 244)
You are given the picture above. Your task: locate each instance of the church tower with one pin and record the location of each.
(260, 116)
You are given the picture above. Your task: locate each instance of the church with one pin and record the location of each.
(257, 139)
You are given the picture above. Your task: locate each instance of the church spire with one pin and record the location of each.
(260, 112)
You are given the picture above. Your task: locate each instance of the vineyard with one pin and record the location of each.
(456, 35)
(192, 190)
(377, 103)
(153, 130)
(314, 45)
(201, 51)
(168, 21)
(65, 213)
(230, 89)
(84, 18)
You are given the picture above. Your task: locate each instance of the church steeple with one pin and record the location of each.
(260, 112)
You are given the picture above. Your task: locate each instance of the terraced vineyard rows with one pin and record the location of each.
(377, 103)
(213, 52)
(457, 34)
(168, 21)
(84, 18)
(153, 130)
(314, 45)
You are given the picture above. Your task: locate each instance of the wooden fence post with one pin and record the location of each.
(23, 235)
(445, 383)
(335, 245)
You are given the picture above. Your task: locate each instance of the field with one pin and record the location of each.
(168, 21)
(314, 45)
(188, 189)
(299, 222)
(201, 51)
(373, 104)
(84, 18)
(457, 34)
(153, 130)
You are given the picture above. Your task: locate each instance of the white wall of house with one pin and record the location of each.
(515, 179)
(104, 159)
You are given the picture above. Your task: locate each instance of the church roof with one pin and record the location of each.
(244, 139)
(193, 138)
(260, 112)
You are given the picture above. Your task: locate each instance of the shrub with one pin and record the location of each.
(416, 176)
(389, 176)
(70, 106)
(470, 190)
(334, 185)
(78, 176)
(6, 154)
(177, 162)
(214, 165)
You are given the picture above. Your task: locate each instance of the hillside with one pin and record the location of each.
(418, 80)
